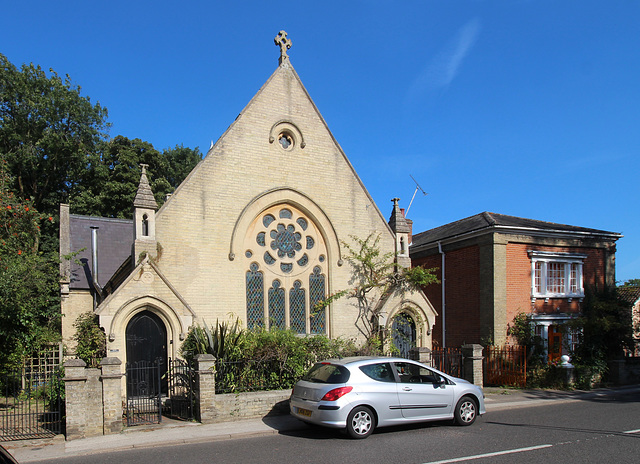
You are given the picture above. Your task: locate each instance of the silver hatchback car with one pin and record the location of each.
(361, 393)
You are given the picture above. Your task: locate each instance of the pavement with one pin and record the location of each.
(171, 432)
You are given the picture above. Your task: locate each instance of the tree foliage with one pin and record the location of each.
(181, 161)
(91, 341)
(605, 327)
(112, 177)
(374, 277)
(47, 129)
(54, 149)
(29, 307)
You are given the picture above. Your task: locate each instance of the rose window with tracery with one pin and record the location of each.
(287, 241)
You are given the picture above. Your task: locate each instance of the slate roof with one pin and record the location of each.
(115, 238)
(487, 221)
(629, 294)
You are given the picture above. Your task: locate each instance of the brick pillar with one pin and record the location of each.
(83, 393)
(206, 385)
(111, 395)
(472, 359)
(421, 354)
(75, 379)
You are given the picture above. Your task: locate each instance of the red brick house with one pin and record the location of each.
(631, 295)
(497, 266)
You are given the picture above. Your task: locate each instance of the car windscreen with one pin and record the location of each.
(327, 373)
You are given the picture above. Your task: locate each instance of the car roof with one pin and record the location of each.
(364, 360)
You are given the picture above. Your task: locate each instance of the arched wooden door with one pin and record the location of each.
(403, 331)
(147, 345)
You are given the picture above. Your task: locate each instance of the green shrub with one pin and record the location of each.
(91, 342)
(261, 359)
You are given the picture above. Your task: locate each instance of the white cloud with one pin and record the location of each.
(442, 69)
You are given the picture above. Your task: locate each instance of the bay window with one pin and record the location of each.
(556, 275)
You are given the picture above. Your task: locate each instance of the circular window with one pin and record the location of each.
(288, 242)
(285, 140)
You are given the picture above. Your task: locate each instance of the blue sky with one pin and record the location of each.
(521, 107)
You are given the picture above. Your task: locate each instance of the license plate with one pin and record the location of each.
(304, 412)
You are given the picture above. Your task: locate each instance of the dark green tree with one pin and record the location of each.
(47, 130)
(113, 174)
(29, 305)
(181, 161)
(605, 328)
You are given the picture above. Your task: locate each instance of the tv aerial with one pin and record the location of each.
(414, 194)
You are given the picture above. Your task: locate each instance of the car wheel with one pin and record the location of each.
(360, 422)
(466, 411)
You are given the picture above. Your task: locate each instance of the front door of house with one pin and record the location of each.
(147, 345)
(555, 343)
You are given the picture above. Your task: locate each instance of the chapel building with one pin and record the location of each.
(254, 232)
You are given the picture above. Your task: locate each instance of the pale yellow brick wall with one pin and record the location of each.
(196, 225)
(234, 406)
(73, 305)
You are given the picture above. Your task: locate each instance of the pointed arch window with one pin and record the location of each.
(317, 294)
(297, 308)
(276, 306)
(255, 297)
(145, 225)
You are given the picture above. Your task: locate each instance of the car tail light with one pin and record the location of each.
(336, 393)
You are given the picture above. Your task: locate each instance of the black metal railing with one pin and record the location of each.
(247, 376)
(144, 390)
(30, 404)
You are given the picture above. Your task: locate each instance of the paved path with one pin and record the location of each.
(176, 432)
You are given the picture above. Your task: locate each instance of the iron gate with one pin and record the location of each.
(180, 403)
(144, 392)
(505, 365)
(448, 360)
(30, 398)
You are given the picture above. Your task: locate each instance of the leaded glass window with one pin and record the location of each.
(297, 315)
(316, 294)
(268, 219)
(285, 213)
(276, 306)
(284, 251)
(255, 297)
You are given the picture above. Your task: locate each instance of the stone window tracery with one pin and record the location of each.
(291, 253)
(255, 297)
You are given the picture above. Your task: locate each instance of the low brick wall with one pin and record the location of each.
(625, 372)
(232, 406)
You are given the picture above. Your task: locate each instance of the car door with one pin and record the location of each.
(381, 391)
(423, 393)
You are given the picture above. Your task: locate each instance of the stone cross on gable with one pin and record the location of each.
(144, 167)
(284, 43)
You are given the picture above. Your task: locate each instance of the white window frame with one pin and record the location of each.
(567, 261)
